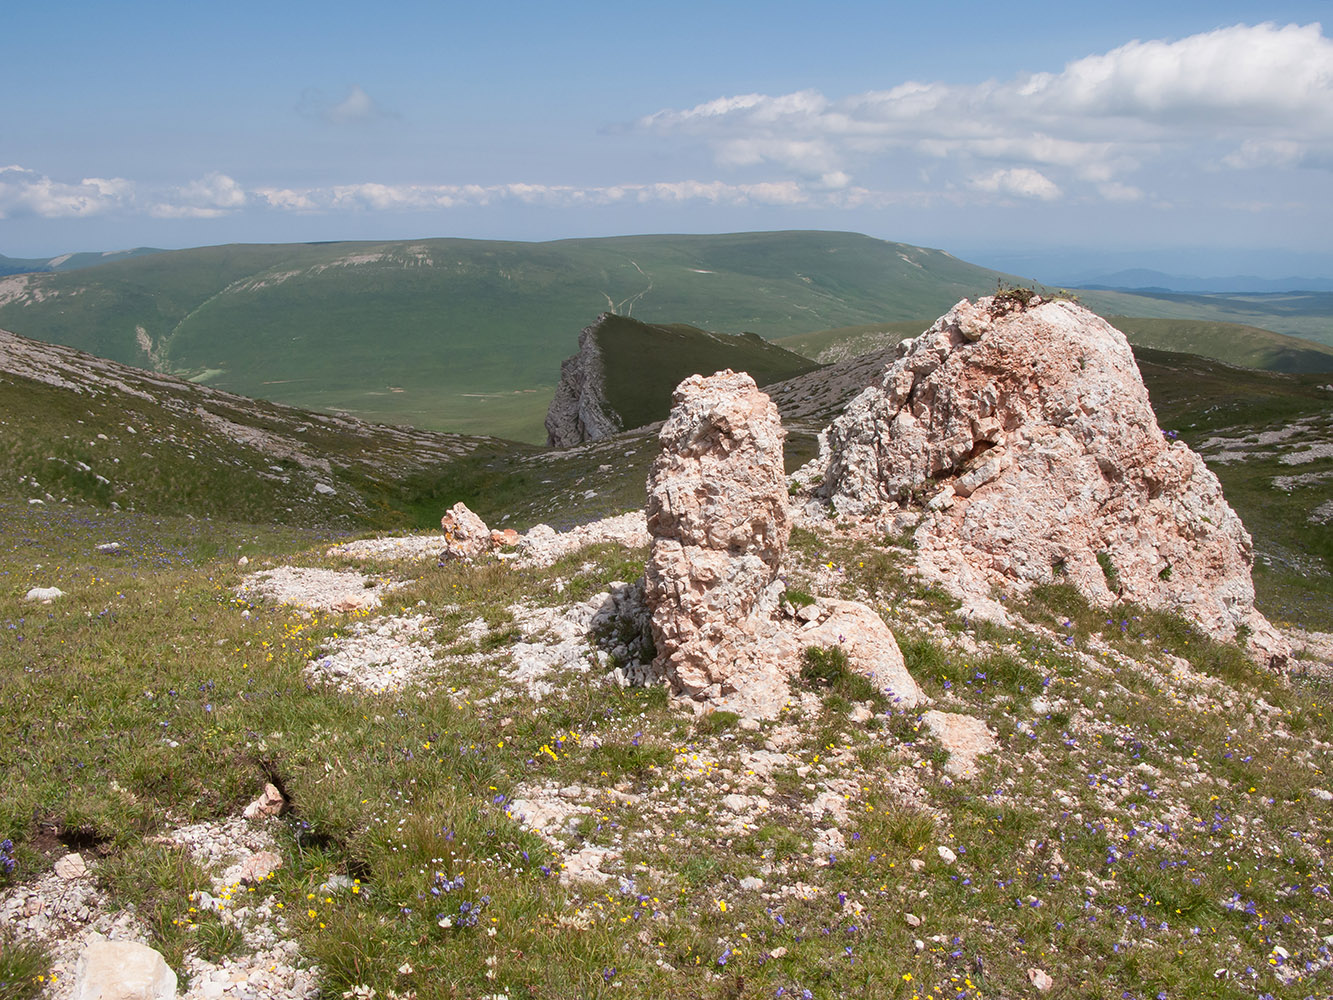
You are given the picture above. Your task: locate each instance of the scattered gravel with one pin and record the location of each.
(381, 654)
(317, 589)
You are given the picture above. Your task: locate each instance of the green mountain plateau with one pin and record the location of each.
(467, 335)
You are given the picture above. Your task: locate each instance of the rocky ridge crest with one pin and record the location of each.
(579, 412)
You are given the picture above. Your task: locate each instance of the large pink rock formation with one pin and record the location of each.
(1027, 432)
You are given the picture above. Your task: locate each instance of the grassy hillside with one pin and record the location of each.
(68, 261)
(643, 363)
(1153, 812)
(1269, 438)
(462, 335)
(81, 430)
(1308, 315)
(849, 341)
(1232, 343)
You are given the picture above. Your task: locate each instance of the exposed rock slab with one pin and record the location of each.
(964, 736)
(316, 589)
(1026, 432)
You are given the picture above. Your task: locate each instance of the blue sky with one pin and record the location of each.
(1192, 137)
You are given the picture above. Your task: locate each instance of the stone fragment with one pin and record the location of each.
(717, 513)
(1030, 429)
(502, 539)
(269, 803)
(122, 970)
(965, 737)
(946, 855)
(1040, 979)
(71, 866)
(466, 536)
(44, 594)
(259, 866)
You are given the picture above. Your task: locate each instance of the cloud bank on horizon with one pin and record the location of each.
(1234, 109)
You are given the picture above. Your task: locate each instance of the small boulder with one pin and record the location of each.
(466, 536)
(122, 970)
(259, 866)
(503, 539)
(269, 803)
(868, 644)
(44, 594)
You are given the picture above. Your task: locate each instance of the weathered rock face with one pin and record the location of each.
(579, 411)
(717, 513)
(1027, 432)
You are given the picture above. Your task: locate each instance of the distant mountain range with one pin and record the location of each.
(68, 261)
(465, 335)
(1146, 280)
(468, 335)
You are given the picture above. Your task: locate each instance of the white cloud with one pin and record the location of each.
(1238, 75)
(1022, 182)
(414, 197)
(1265, 90)
(26, 192)
(208, 197)
(284, 198)
(357, 106)
(1115, 191)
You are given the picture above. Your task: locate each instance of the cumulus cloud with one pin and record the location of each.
(208, 197)
(1022, 182)
(404, 197)
(1239, 75)
(27, 192)
(1265, 91)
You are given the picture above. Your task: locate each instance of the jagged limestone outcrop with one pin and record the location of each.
(579, 412)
